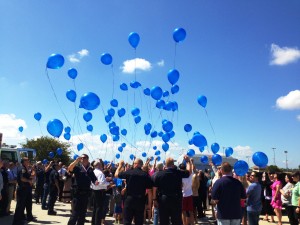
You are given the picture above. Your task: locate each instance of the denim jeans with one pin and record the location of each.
(253, 217)
(229, 222)
(155, 216)
(46, 193)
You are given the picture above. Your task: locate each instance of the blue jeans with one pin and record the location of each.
(155, 216)
(253, 217)
(229, 222)
(46, 193)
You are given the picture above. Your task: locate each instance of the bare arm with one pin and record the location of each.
(120, 168)
(73, 164)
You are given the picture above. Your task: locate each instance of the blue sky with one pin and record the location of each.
(243, 56)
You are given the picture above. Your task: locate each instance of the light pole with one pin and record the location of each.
(274, 156)
(286, 161)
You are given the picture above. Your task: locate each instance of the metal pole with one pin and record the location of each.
(286, 161)
(274, 155)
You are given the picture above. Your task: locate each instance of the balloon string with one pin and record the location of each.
(210, 124)
(55, 96)
(41, 128)
(113, 81)
(175, 54)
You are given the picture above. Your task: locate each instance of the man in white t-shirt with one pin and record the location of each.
(187, 194)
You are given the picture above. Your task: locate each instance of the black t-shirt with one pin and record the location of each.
(83, 177)
(169, 182)
(137, 181)
(40, 176)
(23, 172)
(229, 191)
(47, 174)
(54, 176)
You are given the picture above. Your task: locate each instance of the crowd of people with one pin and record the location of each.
(149, 192)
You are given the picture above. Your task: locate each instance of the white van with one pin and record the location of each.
(16, 154)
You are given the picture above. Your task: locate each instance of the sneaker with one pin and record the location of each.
(31, 219)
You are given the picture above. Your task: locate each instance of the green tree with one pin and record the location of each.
(44, 145)
(273, 168)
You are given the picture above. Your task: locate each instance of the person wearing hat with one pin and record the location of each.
(53, 188)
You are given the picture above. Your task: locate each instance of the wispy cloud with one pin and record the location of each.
(9, 125)
(290, 101)
(283, 55)
(241, 152)
(298, 117)
(129, 66)
(161, 63)
(76, 57)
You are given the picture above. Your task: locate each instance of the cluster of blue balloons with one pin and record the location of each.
(67, 134)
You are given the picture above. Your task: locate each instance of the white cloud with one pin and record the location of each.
(129, 66)
(76, 58)
(241, 152)
(283, 56)
(161, 63)
(298, 117)
(290, 101)
(9, 127)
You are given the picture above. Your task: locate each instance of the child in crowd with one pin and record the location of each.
(118, 203)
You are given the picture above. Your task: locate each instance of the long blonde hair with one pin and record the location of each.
(244, 181)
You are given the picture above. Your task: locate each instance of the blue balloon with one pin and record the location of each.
(114, 103)
(165, 146)
(166, 94)
(202, 100)
(228, 151)
(147, 132)
(179, 34)
(87, 116)
(174, 89)
(260, 159)
(167, 126)
(173, 76)
(172, 134)
(106, 58)
(174, 106)
(191, 152)
(199, 140)
(147, 127)
(135, 111)
(59, 151)
(153, 134)
(90, 127)
(216, 159)
(144, 154)
(204, 159)
(147, 91)
(160, 104)
(131, 157)
(112, 124)
(156, 92)
(154, 147)
(51, 154)
(89, 101)
(120, 149)
(114, 130)
(137, 119)
(190, 141)
(55, 127)
(111, 112)
(80, 146)
(103, 138)
(215, 147)
(168, 106)
(158, 158)
(201, 149)
(75, 157)
(160, 134)
(134, 39)
(240, 168)
(37, 116)
(45, 161)
(124, 132)
(118, 155)
(67, 129)
(71, 95)
(67, 136)
(107, 118)
(135, 84)
(55, 61)
(116, 137)
(187, 127)
(121, 112)
(123, 87)
(157, 152)
(165, 137)
(72, 73)
(21, 129)
(123, 145)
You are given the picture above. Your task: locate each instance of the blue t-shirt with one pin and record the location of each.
(229, 192)
(254, 198)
